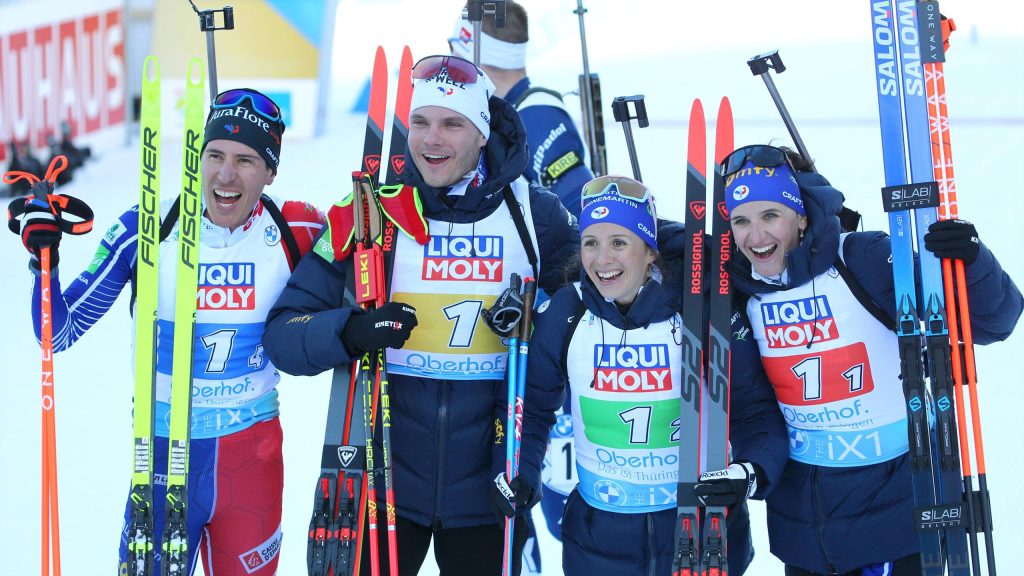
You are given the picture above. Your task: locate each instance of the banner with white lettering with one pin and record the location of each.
(60, 61)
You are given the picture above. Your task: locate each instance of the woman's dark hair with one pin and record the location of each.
(799, 163)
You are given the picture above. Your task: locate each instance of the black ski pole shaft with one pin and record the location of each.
(762, 65)
(620, 110)
(475, 14)
(592, 131)
(208, 24)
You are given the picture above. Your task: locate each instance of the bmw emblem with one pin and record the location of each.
(272, 235)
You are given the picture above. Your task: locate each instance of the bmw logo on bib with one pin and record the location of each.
(610, 492)
(798, 443)
(272, 235)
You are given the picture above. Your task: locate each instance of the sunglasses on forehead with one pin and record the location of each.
(459, 70)
(758, 154)
(620, 186)
(260, 102)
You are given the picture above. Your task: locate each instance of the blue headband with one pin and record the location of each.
(631, 215)
(753, 183)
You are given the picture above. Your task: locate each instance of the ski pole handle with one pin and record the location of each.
(762, 65)
(620, 110)
(526, 322)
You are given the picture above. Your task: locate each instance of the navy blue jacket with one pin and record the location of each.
(757, 430)
(551, 136)
(443, 430)
(821, 518)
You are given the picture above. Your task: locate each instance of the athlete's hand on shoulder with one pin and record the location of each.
(727, 487)
(386, 327)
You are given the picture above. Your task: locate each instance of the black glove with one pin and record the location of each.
(386, 327)
(727, 487)
(510, 498)
(956, 239)
(39, 224)
(503, 317)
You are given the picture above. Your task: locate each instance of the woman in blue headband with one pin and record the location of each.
(612, 341)
(822, 309)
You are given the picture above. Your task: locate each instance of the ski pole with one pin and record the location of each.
(510, 424)
(381, 399)
(475, 10)
(515, 438)
(590, 92)
(761, 65)
(41, 195)
(962, 355)
(620, 109)
(208, 24)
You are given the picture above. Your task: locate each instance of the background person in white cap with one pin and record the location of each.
(556, 149)
(467, 221)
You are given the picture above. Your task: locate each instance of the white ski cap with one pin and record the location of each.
(493, 52)
(467, 98)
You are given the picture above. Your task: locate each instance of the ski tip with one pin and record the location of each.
(724, 106)
(151, 69)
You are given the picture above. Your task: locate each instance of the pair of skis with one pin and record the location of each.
(175, 554)
(345, 492)
(908, 46)
(701, 538)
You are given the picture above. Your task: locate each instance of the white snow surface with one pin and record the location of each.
(671, 57)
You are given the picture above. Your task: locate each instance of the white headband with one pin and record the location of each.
(493, 52)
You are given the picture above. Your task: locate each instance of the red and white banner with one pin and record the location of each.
(67, 69)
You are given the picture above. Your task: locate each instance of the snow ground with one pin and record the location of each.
(828, 89)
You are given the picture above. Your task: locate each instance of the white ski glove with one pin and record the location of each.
(727, 487)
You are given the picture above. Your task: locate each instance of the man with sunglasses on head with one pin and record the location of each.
(249, 243)
(466, 220)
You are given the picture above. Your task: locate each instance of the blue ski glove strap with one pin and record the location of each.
(727, 487)
(511, 498)
(386, 327)
(956, 239)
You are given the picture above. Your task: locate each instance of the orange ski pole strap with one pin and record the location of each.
(81, 220)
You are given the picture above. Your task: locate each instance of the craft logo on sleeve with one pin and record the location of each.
(798, 322)
(463, 258)
(228, 286)
(632, 368)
